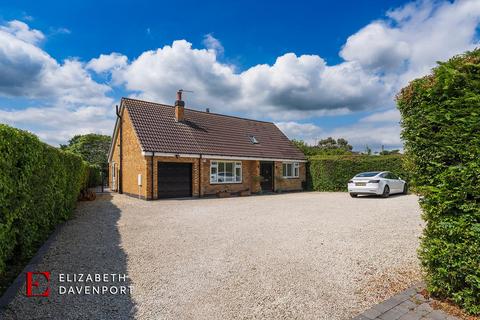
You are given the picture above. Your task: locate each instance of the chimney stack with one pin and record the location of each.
(179, 107)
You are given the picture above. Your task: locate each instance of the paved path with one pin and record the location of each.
(407, 305)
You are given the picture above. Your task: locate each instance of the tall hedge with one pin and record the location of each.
(441, 130)
(331, 173)
(39, 185)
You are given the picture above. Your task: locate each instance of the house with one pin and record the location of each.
(161, 151)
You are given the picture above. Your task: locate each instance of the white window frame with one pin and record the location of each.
(295, 171)
(214, 164)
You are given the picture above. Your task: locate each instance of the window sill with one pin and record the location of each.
(291, 177)
(226, 182)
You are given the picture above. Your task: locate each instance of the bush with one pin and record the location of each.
(441, 129)
(39, 185)
(331, 173)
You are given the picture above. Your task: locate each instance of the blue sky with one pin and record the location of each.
(317, 69)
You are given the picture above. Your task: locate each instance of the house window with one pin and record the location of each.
(291, 169)
(253, 140)
(225, 172)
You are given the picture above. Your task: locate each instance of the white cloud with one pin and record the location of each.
(212, 43)
(381, 128)
(61, 30)
(69, 100)
(377, 46)
(307, 132)
(20, 30)
(57, 124)
(410, 41)
(297, 85)
(392, 115)
(29, 72)
(374, 135)
(107, 62)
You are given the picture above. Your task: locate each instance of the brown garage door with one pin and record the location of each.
(174, 180)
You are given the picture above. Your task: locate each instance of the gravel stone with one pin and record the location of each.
(289, 256)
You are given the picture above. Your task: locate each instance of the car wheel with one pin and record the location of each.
(405, 189)
(386, 192)
(353, 195)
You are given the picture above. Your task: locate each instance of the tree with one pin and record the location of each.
(328, 146)
(337, 145)
(92, 147)
(389, 152)
(304, 147)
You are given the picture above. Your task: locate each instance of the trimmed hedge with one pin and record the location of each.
(441, 130)
(331, 173)
(39, 185)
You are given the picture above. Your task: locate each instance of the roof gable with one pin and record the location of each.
(206, 133)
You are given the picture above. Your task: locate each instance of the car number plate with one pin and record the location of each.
(360, 184)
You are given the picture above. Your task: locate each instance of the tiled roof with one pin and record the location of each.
(206, 133)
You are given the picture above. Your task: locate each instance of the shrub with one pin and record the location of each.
(441, 129)
(331, 173)
(39, 185)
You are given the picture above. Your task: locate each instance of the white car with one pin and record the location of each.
(382, 183)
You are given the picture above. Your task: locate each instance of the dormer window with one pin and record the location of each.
(253, 140)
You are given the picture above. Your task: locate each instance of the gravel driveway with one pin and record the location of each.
(288, 256)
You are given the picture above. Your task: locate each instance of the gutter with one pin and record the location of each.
(151, 176)
(200, 176)
(120, 167)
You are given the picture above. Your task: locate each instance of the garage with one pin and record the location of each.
(174, 180)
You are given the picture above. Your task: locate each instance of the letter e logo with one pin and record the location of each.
(33, 281)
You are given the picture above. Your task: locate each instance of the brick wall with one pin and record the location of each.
(289, 184)
(148, 160)
(250, 168)
(133, 162)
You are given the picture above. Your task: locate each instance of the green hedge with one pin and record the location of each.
(39, 185)
(331, 173)
(441, 130)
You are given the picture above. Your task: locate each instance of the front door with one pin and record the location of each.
(266, 171)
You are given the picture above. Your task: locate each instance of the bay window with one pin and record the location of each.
(225, 172)
(291, 169)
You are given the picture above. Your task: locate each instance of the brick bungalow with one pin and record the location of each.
(161, 151)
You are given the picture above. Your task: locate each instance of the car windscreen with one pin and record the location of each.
(367, 174)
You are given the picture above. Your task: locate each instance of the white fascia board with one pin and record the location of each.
(211, 156)
(176, 155)
(208, 156)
